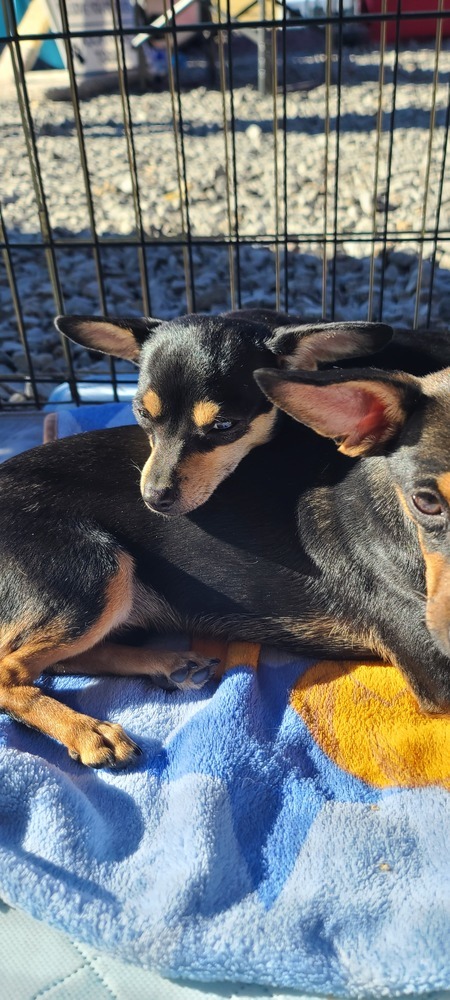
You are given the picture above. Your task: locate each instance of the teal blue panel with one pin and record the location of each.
(49, 53)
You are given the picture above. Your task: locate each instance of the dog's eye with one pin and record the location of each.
(428, 503)
(142, 413)
(223, 425)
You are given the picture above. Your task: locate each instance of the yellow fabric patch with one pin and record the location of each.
(366, 719)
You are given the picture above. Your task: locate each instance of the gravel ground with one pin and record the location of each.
(257, 203)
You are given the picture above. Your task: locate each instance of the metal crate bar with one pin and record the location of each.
(270, 50)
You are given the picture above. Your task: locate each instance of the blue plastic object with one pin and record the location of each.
(95, 389)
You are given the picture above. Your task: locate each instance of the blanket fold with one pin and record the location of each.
(288, 825)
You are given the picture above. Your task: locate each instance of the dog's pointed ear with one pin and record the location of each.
(308, 346)
(361, 409)
(122, 338)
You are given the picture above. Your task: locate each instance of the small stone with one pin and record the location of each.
(9, 345)
(125, 184)
(79, 305)
(391, 275)
(220, 169)
(19, 360)
(17, 398)
(43, 361)
(254, 133)
(34, 335)
(366, 201)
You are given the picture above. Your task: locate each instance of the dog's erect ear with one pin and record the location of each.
(121, 337)
(359, 410)
(309, 346)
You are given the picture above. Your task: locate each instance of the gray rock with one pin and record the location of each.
(6, 370)
(254, 133)
(125, 184)
(10, 345)
(17, 398)
(204, 151)
(392, 275)
(18, 359)
(79, 304)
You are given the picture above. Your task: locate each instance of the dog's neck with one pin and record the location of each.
(356, 507)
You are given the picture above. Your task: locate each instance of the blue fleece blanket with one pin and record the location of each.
(288, 825)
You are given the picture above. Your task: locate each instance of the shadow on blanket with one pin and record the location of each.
(287, 826)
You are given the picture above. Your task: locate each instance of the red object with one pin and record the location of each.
(420, 27)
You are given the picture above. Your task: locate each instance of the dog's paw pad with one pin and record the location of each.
(194, 673)
(200, 677)
(178, 676)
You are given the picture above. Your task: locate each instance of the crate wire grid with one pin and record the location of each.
(283, 238)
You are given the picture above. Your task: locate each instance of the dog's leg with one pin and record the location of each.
(95, 743)
(27, 649)
(172, 670)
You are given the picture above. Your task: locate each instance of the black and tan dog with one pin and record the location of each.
(375, 533)
(275, 555)
(197, 399)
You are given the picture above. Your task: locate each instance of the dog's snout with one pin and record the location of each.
(161, 499)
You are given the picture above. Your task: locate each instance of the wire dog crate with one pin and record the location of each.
(292, 156)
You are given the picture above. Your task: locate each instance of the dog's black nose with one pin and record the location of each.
(161, 500)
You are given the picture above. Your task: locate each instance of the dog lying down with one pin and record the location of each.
(303, 547)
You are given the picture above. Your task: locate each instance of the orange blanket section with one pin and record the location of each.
(364, 716)
(420, 27)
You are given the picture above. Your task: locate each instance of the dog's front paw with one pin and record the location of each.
(102, 744)
(185, 671)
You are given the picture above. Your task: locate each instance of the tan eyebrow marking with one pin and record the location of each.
(204, 412)
(152, 403)
(443, 482)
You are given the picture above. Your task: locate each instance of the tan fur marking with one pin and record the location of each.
(152, 403)
(204, 412)
(92, 741)
(436, 570)
(20, 666)
(146, 469)
(443, 485)
(48, 646)
(437, 574)
(129, 661)
(404, 504)
(343, 638)
(202, 472)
